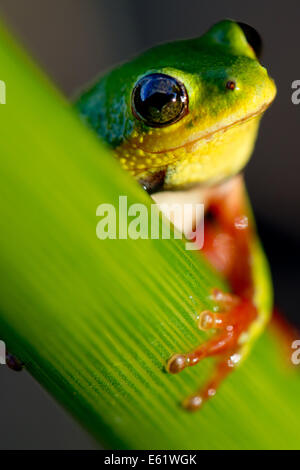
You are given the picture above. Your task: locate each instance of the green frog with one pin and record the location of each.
(182, 119)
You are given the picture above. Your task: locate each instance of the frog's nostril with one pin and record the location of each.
(231, 85)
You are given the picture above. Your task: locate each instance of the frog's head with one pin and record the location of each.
(184, 112)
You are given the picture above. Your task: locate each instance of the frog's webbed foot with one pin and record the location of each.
(232, 322)
(13, 362)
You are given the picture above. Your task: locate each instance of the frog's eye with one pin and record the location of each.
(253, 37)
(159, 100)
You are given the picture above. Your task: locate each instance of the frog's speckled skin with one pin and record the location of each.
(212, 142)
(215, 139)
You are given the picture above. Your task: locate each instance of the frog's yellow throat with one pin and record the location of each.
(209, 159)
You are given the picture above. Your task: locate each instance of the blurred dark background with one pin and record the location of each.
(74, 40)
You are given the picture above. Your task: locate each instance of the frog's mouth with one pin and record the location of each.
(154, 181)
(209, 135)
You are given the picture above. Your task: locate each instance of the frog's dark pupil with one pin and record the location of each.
(159, 100)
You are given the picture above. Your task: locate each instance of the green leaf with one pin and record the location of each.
(95, 321)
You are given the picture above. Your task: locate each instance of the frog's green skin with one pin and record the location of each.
(211, 143)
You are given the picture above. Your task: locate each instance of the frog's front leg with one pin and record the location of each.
(234, 318)
(228, 238)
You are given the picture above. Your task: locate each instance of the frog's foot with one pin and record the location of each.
(13, 363)
(232, 323)
(223, 368)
